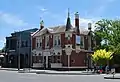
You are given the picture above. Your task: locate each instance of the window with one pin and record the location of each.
(7, 44)
(58, 53)
(47, 41)
(37, 43)
(26, 43)
(54, 59)
(18, 44)
(22, 44)
(55, 42)
(58, 40)
(58, 57)
(78, 40)
(58, 61)
(68, 37)
(40, 43)
(82, 42)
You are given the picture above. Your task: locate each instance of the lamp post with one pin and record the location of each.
(19, 52)
(68, 53)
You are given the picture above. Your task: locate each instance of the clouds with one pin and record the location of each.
(11, 19)
(2, 41)
(102, 7)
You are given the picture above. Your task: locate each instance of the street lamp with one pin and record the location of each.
(68, 53)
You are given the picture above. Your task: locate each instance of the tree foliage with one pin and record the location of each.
(102, 56)
(107, 35)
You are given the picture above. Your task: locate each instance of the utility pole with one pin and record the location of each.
(19, 52)
(30, 57)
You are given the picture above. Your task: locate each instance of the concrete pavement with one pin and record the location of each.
(14, 76)
(26, 70)
(111, 76)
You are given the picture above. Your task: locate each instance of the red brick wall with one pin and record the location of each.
(64, 58)
(68, 41)
(37, 59)
(73, 41)
(50, 41)
(78, 59)
(63, 40)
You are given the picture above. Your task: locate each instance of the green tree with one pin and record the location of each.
(107, 35)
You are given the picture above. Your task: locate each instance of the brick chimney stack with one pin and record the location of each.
(77, 22)
(89, 26)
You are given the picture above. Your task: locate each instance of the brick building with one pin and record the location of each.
(64, 46)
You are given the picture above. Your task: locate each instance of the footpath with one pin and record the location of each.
(111, 76)
(27, 70)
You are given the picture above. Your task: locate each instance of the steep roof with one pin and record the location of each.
(58, 29)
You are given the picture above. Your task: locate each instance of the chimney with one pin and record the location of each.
(41, 25)
(89, 26)
(77, 22)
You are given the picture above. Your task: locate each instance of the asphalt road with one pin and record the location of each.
(13, 76)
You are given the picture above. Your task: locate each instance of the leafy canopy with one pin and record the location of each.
(102, 56)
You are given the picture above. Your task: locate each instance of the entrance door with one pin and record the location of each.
(44, 61)
(49, 61)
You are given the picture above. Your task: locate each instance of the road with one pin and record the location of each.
(13, 76)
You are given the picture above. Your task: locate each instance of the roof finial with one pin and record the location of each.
(41, 21)
(68, 12)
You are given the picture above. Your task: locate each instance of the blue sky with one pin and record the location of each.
(16, 15)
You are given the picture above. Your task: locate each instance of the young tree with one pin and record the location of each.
(102, 57)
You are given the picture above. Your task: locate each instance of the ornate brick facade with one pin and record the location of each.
(55, 41)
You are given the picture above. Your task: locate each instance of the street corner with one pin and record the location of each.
(117, 76)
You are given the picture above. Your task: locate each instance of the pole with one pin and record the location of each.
(68, 61)
(30, 54)
(19, 53)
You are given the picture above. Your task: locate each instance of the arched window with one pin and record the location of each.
(58, 53)
(39, 54)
